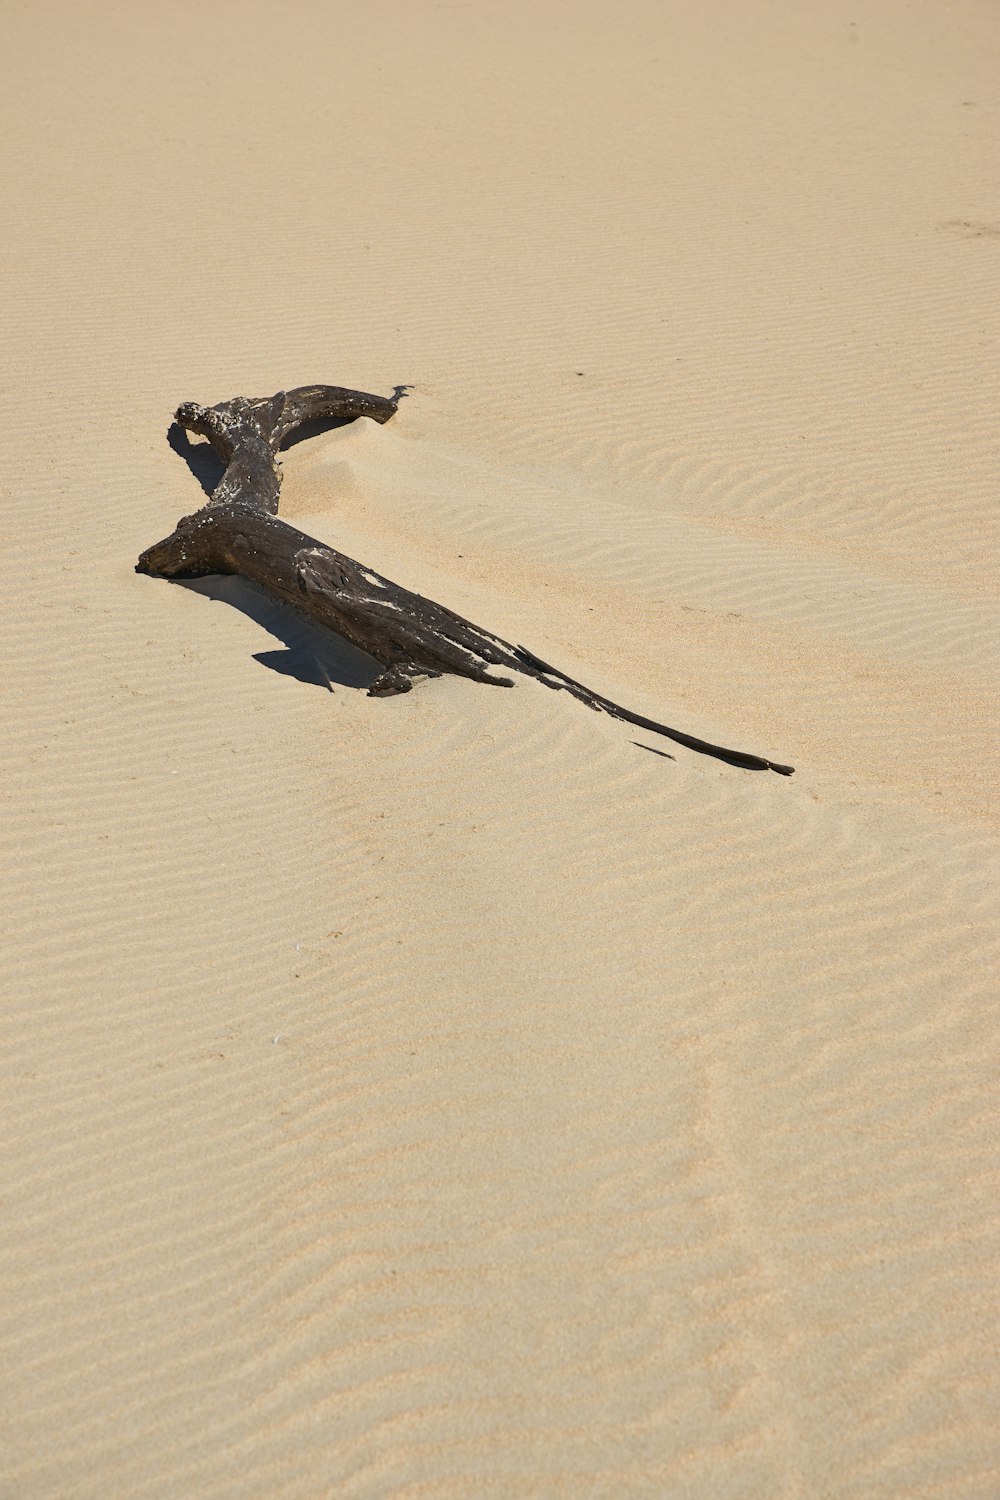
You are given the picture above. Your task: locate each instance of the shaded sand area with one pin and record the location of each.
(442, 1096)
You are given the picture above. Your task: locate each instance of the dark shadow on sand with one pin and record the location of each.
(312, 655)
(201, 458)
(653, 750)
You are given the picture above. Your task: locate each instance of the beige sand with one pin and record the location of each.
(443, 1097)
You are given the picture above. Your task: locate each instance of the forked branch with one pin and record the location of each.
(238, 531)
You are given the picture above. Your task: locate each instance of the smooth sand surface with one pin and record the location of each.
(442, 1096)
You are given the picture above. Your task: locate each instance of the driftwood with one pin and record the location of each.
(238, 531)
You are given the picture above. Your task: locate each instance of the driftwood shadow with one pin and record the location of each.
(312, 654)
(653, 750)
(201, 458)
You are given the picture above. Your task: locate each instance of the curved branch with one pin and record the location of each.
(307, 402)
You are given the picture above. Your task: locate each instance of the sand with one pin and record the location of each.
(442, 1096)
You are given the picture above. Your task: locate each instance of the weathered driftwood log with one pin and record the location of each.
(238, 531)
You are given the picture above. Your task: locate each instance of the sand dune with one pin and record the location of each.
(446, 1096)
